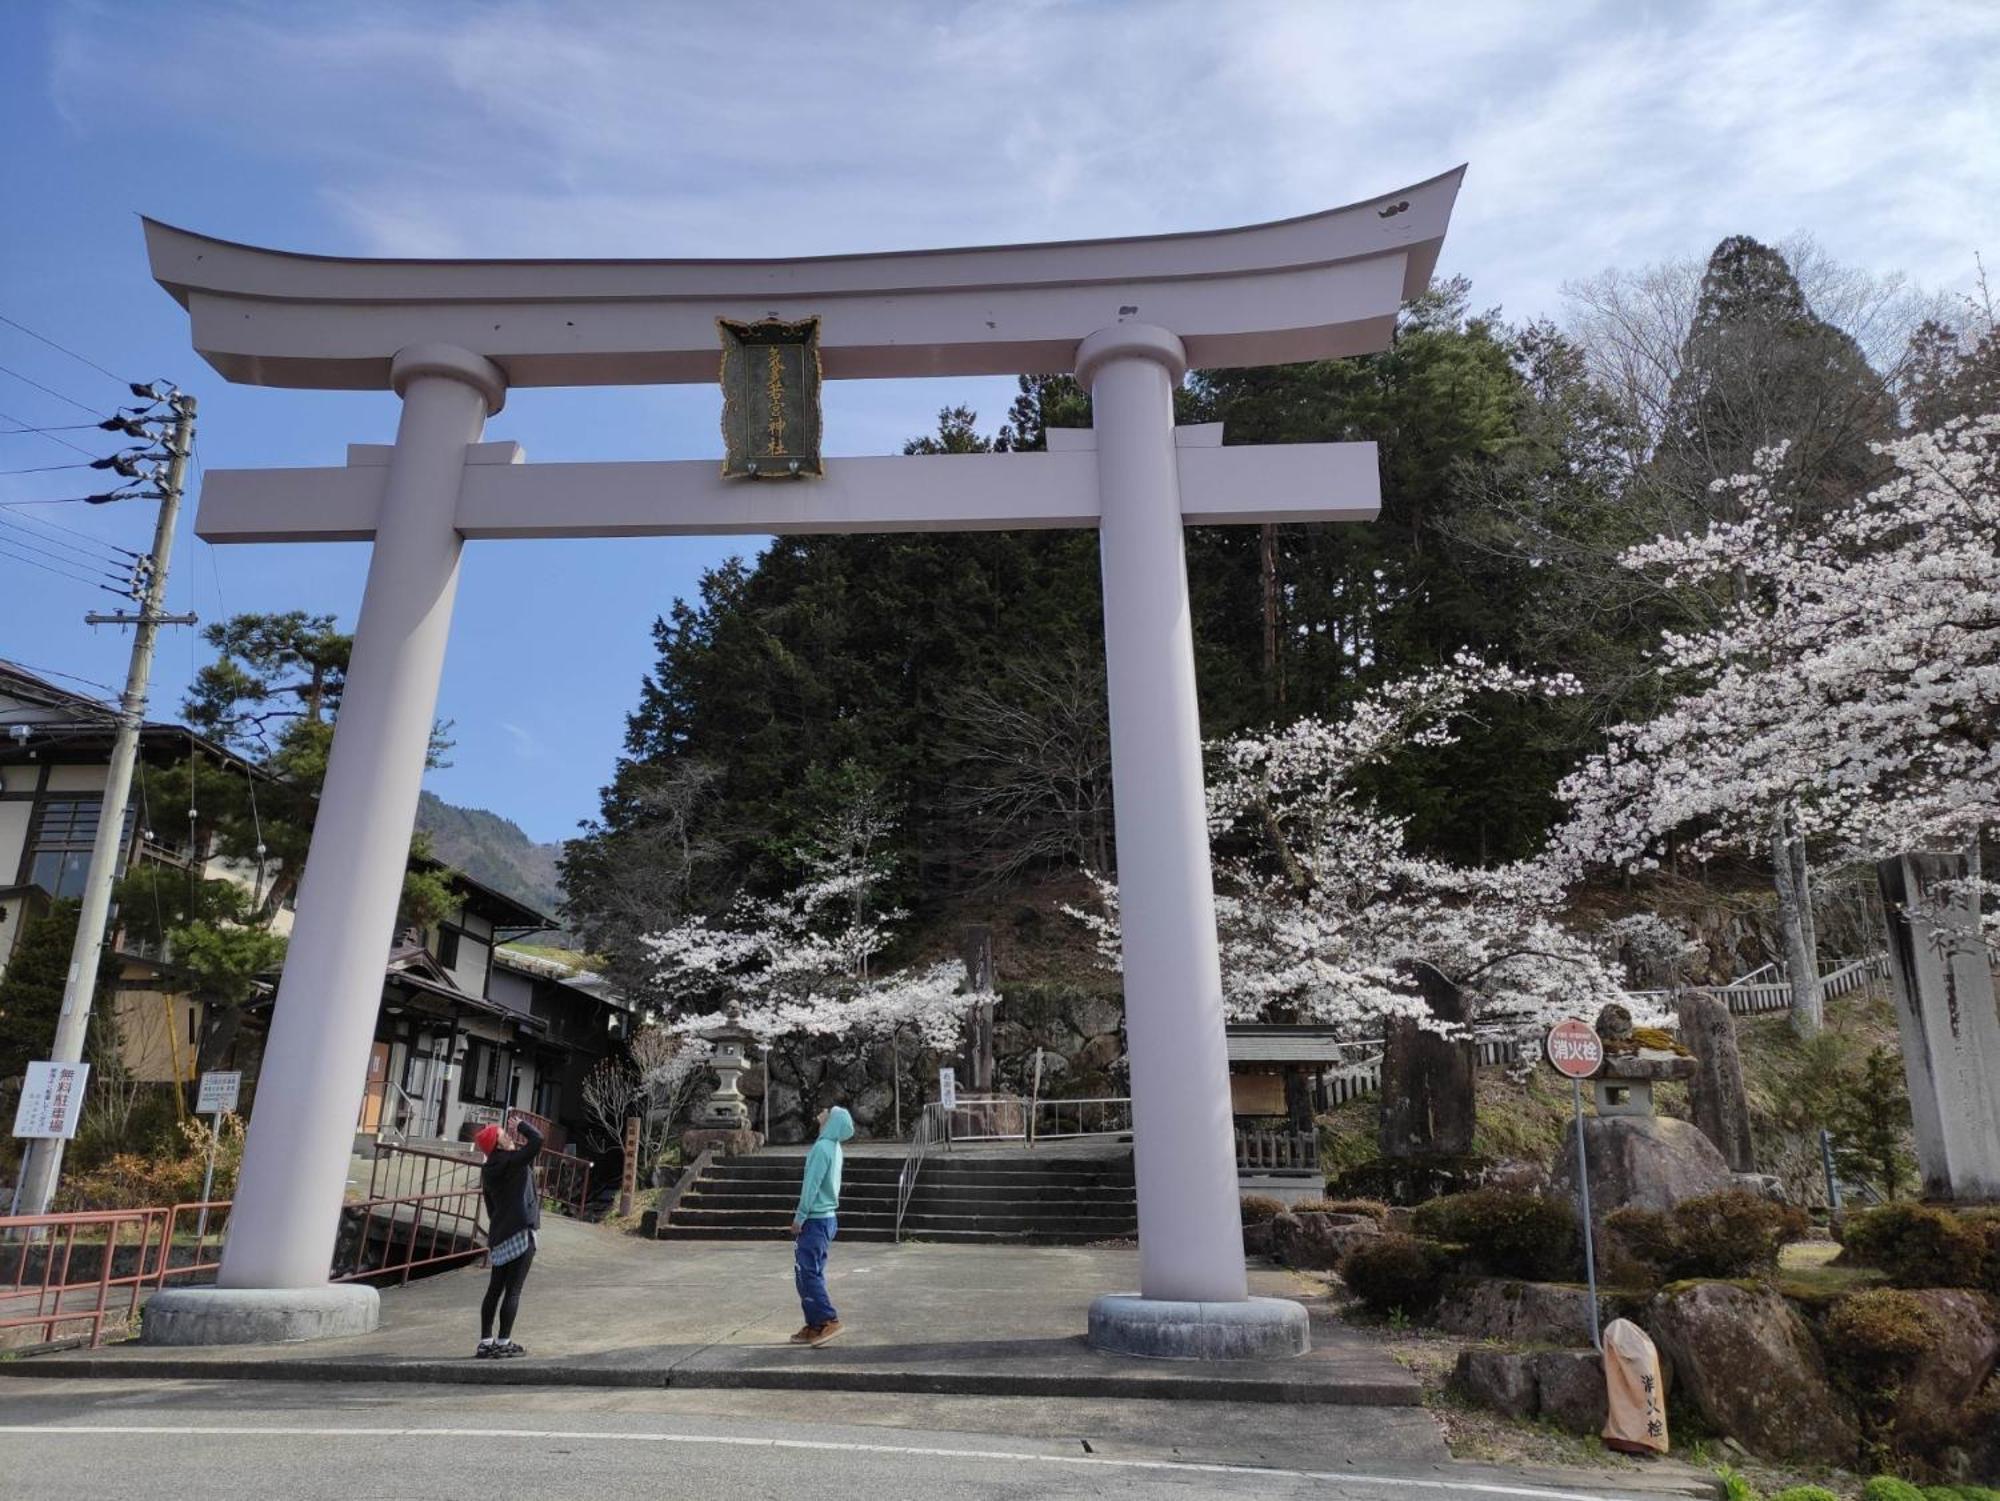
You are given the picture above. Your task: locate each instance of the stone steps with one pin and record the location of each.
(1054, 1199)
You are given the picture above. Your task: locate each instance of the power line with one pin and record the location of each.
(54, 554)
(54, 672)
(8, 505)
(26, 427)
(50, 390)
(81, 359)
(60, 427)
(80, 500)
(74, 578)
(105, 553)
(44, 469)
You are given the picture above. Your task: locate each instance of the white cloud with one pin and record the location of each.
(1597, 133)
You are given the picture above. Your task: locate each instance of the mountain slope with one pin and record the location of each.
(492, 849)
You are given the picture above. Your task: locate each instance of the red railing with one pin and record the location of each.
(47, 1279)
(442, 1228)
(400, 1172)
(563, 1181)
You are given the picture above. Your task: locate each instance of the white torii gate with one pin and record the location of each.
(452, 337)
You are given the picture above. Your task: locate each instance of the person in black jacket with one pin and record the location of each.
(513, 1214)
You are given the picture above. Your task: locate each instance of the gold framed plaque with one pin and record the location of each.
(770, 399)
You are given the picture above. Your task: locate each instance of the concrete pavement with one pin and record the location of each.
(608, 1310)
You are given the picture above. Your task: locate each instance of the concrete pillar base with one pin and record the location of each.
(258, 1315)
(1166, 1329)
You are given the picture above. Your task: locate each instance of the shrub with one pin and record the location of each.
(1918, 1245)
(1392, 1273)
(1260, 1209)
(1805, 1493)
(1726, 1234)
(1889, 1488)
(1873, 1337)
(1507, 1234)
(1372, 1208)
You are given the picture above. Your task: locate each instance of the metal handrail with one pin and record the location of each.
(929, 1127)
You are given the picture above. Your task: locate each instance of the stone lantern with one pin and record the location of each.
(1635, 1059)
(723, 1122)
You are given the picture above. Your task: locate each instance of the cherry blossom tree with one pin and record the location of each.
(1849, 692)
(1323, 911)
(798, 970)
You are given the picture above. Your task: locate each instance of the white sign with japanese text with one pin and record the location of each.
(948, 1088)
(51, 1101)
(219, 1088)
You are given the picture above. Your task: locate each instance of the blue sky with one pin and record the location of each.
(1598, 135)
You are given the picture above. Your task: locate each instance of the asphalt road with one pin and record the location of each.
(295, 1442)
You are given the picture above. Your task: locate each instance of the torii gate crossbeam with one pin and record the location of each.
(452, 338)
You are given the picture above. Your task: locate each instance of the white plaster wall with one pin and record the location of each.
(14, 820)
(76, 778)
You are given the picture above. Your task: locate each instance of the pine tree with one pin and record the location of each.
(31, 989)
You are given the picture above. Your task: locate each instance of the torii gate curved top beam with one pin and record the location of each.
(1316, 287)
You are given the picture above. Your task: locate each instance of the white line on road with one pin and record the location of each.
(1346, 1477)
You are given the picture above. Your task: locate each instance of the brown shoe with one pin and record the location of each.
(806, 1335)
(831, 1329)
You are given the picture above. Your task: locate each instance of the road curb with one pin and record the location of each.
(1109, 1385)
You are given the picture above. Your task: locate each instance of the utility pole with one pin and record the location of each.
(43, 1162)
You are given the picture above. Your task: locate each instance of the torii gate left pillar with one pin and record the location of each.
(439, 485)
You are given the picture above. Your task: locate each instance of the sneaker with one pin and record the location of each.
(831, 1329)
(508, 1350)
(806, 1335)
(488, 1348)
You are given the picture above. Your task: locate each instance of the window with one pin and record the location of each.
(447, 948)
(65, 828)
(488, 1071)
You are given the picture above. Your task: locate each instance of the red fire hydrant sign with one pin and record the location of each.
(1574, 1048)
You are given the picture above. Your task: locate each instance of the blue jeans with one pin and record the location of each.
(809, 1270)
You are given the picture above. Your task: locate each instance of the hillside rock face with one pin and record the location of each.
(1750, 1365)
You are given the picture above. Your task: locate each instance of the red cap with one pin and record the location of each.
(486, 1139)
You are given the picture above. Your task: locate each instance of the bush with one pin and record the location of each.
(1261, 1209)
(1805, 1493)
(1918, 1245)
(1873, 1337)
(1391, 1273)
(1507, 1234)
(1889, 1488)
(1371, 1208)
(1726, 1234)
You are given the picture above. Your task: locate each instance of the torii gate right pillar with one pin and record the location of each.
(1193, 1298)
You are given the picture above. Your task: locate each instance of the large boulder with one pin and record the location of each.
(1513, 1312)
(1563, 1387)
(1956, 1367)
(1750, 1366)
(1651, 1161)
(1501, 1381)
(1316, 1242)
(1570, 1390)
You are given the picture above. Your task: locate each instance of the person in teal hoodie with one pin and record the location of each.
(814, 1226)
